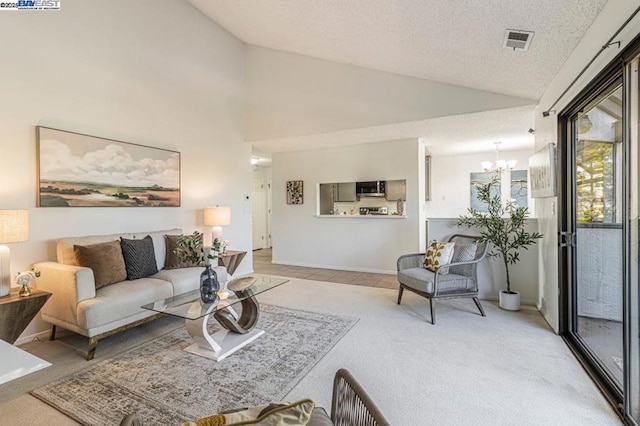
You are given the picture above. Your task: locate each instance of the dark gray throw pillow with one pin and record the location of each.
(139, 257)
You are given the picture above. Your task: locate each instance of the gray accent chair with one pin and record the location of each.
(350, 406)
(457, 279)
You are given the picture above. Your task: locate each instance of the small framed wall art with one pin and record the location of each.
(542, 171)
(294, 192)
(76, 170)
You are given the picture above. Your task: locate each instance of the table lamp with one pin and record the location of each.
(217, 217)
(14, 228)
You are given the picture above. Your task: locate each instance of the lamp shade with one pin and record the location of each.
(14, 226)
(217, 216)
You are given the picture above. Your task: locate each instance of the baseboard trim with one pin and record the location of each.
(42, 335)
(335, 267)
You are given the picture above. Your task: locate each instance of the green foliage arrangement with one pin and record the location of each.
(191, 250)
(502, 226)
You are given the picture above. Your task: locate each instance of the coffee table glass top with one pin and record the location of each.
(190, 306)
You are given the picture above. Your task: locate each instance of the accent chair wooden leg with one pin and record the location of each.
(93, 343)
(400, 290)
(475, 299)
(52, 334)
(432, 306)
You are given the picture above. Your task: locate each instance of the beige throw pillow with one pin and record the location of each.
(439, 253)
(106, 261)
(275, 414)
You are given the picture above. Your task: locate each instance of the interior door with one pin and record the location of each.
(258, 216)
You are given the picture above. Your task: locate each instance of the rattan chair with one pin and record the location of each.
(457, 279)
(351, 406)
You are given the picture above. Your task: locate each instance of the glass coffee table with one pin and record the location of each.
(239, 330)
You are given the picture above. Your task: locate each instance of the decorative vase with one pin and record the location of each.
(510, 301)
(209, 285)
(400, 207)
(24, 290)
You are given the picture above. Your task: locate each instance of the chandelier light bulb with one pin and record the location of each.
(499, 165)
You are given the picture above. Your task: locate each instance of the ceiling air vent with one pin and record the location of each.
(517, 39)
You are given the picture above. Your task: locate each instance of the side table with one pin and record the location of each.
(17, 312)
(231, 259)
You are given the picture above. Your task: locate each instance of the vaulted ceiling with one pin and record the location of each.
(451, 41)
(457, 42)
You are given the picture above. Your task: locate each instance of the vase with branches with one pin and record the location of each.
(502, 226)
(191, 251)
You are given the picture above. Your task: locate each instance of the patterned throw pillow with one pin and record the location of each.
(296, 413)
(463, 253)
(139, 257)
(438, 253)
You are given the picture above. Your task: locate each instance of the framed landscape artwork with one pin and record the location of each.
(294, 192)
(479, 179)
(542, 171)
(519, 191)
(76, 170)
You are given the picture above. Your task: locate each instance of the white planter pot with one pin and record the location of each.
(510, 301)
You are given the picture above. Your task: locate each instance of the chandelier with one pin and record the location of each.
(499, 165)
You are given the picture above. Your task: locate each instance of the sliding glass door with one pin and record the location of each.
(600, 232)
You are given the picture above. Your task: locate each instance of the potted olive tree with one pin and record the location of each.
(502, 227)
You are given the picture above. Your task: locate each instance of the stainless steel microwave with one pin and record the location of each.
(375, 188)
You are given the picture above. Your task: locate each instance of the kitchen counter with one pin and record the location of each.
(358, 216)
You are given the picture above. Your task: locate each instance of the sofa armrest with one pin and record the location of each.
(68, 286)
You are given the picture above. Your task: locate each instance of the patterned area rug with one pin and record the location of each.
(168, 386)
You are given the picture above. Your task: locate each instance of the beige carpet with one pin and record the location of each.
(505, 369)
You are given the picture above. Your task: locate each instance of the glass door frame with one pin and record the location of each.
(599, 87)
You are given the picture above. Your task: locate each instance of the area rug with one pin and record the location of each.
(168, 386)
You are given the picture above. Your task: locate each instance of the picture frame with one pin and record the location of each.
(78, 170)
(478, 179)
(542, 172)
(295, 192)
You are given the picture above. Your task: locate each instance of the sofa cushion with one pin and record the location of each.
(139, 257)
(187, 279)
(121, 300)
(105, 260)
(66, 256)
(172, 261)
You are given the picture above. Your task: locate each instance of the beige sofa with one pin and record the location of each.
(76, 305)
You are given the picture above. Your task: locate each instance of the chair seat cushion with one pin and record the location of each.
(422, 279)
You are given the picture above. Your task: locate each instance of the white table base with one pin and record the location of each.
(220, 344)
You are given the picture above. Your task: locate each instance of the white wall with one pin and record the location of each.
(492, 277)
(148, 72)
(613, 15)
(300, 238)
(294, 95)
(450, 178)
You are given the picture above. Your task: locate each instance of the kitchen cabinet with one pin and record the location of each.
(344, 192)
(396, 190)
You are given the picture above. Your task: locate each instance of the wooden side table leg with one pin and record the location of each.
(93, 343)
(52, 335)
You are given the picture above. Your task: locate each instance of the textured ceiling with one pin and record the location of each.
(451, 41)
(456, 134)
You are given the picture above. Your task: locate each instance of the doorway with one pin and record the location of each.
(258, 216)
